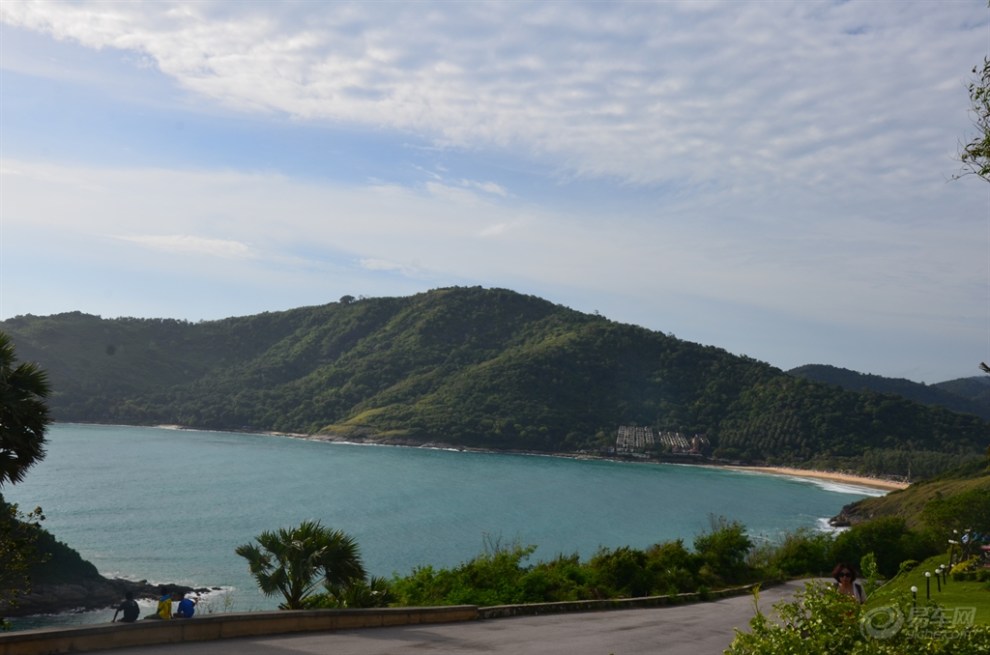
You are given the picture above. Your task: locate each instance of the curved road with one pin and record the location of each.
(697, 629)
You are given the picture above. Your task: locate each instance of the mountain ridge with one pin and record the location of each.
(966, 395)
(475, 367)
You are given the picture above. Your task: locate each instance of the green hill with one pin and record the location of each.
(965, 395)
(474, 367)
(961, 494)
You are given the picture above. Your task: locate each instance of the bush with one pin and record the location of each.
(804, 552)
(888, 537)
(493, 578)
(822, 622)
(724, 549)
(907, 565)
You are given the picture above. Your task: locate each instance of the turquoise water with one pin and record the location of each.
(171, 505)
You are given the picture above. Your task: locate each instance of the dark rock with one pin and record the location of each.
(92, 594)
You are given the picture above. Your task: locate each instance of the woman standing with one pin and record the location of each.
(847, 584)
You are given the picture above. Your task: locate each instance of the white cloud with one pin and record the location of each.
(383, 265)
(191, 245)
(764, 94)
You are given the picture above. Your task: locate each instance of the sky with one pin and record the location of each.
(778, 179)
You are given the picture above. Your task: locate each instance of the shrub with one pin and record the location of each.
(561, 579)
(888, 537)
(723, 549)
(493, 578)
(822, 622)
(622, 572)
(803, 552)
(907, 565)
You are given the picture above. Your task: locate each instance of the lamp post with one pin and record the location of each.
(938, 578)
(914, 595)
(928, 585)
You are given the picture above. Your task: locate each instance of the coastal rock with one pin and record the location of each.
(89, 595)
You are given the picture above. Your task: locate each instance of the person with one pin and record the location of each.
(130, 609)
(164, 610)
(187, 606)
(847, 584)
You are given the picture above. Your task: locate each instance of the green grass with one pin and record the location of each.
(953, 593)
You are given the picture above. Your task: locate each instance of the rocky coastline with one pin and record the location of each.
(80, 596)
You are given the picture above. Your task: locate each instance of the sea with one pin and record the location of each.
(171, 505)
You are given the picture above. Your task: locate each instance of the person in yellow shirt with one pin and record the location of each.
(164, 610)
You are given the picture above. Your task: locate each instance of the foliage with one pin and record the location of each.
(821, 622)
(478, 367)
(493, 578)
(23, 414)
(887, 538)
(959, 513)
(501, 575)
(965, 395)
(57, 563)
(870, 572)
(800, 553)
(975, 155)
(723, 550)
(23, 422)
(374, 592)
(972, 480)
(19, 535)
(294, 561)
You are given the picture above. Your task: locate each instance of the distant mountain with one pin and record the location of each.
(474, 367)
(965, 395)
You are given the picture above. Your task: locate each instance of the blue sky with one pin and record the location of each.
(771, 178)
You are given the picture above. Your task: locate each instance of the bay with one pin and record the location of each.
(172, 505)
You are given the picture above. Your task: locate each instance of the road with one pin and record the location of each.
(696, 629)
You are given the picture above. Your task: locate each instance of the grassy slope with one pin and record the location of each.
(951, 595)
(910, 502)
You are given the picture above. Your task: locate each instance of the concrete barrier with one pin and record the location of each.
(207, 627)
(106, 636)
(533, 609)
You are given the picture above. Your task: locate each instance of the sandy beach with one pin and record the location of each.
(844, 478)
(833, 476)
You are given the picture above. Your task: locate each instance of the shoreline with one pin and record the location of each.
(831, 476)
(788, 471)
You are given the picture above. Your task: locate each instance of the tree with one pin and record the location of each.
(975, 155)
(294, 561)
(23, 421)
(23, 414)
(19, 535)
(724, 548)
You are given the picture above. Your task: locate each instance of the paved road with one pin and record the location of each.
(698, 629)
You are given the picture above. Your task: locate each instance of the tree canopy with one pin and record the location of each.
(295, 561)
(975, 155)
(23, 414)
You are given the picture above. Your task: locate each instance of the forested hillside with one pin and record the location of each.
(474, 367)
(965, 395)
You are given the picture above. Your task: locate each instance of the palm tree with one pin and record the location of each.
(295, 561)
(23, 414)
